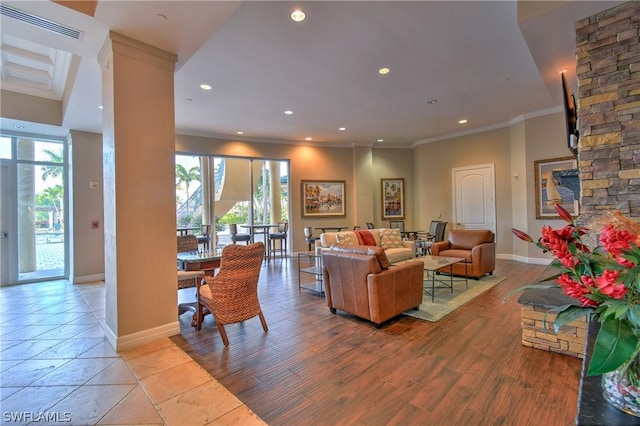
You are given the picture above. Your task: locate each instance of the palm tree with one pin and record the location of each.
(52, 196)
(186, 177)
(52, 171)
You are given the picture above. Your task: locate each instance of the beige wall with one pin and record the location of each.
(87, 258)
(512, 150)
(30, 108)
(433, 164)
(394, 163)
(545, 139)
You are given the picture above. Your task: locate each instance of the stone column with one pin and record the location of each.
(608, 54)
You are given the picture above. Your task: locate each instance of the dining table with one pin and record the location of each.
(186, 230)
(205, 261)
(324, 229)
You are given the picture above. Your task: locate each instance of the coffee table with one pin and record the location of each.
(435, 264)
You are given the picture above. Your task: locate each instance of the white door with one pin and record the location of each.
(474, 197)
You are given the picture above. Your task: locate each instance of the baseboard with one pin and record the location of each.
(88, 278)
(523, 259)
(130, 341)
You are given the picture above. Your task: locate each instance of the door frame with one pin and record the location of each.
(8, 223)
(491, 201)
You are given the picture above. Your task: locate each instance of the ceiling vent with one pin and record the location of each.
(40, 22)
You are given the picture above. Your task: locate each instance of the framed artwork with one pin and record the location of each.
(323, 198)
(392, 199)
(397, 224)
(552, 188)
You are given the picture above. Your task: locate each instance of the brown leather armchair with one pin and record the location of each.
(476, 247)
(359, 281)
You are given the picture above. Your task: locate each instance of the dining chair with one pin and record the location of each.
(187, 279)
(281, 236)
(205, 237)
(232, 294)
(235, 237)
(308, 236)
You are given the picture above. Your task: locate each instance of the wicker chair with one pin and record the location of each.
(232, 295)
(186, 279)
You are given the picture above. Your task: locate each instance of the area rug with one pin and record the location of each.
(446, 302)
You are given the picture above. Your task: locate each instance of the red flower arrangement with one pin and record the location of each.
(605, 281)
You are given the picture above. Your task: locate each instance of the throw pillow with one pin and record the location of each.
(365, 238)
(390, 238)
(344, 238)
(378, 252)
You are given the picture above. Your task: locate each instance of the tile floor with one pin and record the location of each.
(56, 367)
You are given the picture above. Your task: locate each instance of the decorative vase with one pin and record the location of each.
(621, 388)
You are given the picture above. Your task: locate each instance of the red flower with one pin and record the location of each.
(615, 241)
(576, 290)
(557, 242)
(523, 236)
(564, 214)
(607, 285)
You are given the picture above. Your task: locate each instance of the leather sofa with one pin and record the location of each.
(476, 247)
(360, 281)
(389, 239)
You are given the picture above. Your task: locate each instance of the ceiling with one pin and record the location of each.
(489, 62)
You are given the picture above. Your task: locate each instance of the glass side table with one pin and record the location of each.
(310, 263)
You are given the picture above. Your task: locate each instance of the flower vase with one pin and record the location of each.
(621, 388)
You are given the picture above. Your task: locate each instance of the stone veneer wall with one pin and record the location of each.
(608, 98)
(537, 331)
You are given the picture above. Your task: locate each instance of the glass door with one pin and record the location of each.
(33, 211)
(229, 190)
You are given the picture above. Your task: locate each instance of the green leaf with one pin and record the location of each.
(568, 313)
(615, 344)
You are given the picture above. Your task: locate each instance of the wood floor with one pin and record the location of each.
(317, 368)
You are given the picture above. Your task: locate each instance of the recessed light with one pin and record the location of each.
(432, 101)
(380, 140)
(288, 112)
(307, 139)
(462, 121)
(240, 132)
(205, 86)
(298, 15)
(384, 71)
(342, 128)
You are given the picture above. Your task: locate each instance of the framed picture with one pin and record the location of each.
(324, 198)
(552, 188)
(397, 224)
(392, 199)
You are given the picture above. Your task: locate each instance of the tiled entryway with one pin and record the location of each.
(56, 365)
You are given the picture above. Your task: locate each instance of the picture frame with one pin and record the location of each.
(323, 198)
(550, 189)
(392, 194)
(397, 224)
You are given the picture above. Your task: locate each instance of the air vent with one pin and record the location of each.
(40, 22)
